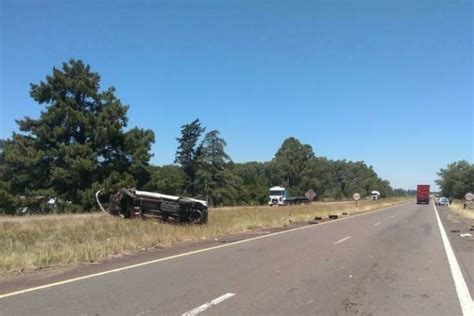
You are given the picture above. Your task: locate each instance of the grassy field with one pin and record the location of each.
(67, 240)
(457, 207)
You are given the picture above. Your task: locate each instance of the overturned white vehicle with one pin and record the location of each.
(134, 203)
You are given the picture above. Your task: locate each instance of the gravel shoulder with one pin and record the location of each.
(459, 228)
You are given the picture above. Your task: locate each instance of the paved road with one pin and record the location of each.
(390, 262)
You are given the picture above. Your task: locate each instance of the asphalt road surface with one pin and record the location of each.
(389, 262)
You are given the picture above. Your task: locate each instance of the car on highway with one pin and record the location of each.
(442, 201)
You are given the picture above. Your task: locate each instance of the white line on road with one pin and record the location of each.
(141, 264)
(343, 239)
(392, 216)
(467, 305)
(203, 307)
(378, 223)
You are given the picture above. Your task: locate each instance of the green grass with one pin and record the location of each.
(70, 239)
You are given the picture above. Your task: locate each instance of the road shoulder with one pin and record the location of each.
(21, 281)
(456, 227)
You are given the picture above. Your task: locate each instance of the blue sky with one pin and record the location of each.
(389, 83)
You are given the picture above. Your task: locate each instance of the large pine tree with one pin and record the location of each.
(78, 144)
(187, 151)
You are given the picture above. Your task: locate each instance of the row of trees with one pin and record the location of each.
(80, 144)
(206, 171)
(456, 179)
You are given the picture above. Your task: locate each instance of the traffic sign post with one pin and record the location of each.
(310, 195)
(356, 197)
(469, 196)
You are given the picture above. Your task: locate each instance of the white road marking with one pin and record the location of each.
(203, 307)
(392, 216)
(89, 276)
(378, 223)
(467, 305)
(343, 239)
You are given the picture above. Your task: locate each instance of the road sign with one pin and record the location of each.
(356, 196)
(310, 195)
(469, 196)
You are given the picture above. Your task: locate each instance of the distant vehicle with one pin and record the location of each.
(279, 196)
(442, 201)
(374, 195)
(422, 194)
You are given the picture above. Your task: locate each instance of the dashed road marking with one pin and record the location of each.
(205, 306)
(376, 224)
(343, 239)
(141, 264)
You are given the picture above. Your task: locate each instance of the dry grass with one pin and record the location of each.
(68, 240)
(457, 207)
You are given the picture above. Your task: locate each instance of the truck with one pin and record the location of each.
(279, 196)
(374, 195)
(422, 194)
(128, 203)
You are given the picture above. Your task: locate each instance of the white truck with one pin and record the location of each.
(374, 195)
(279, 196)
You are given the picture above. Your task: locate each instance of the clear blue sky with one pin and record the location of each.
(389, 83)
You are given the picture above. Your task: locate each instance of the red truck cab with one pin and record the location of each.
(422, 194)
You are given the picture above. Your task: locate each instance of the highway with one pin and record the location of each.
(388, 262)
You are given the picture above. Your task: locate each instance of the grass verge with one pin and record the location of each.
(458, 208)
(66, 240)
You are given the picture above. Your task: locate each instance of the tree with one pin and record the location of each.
(78, 144)
(255, 182)
(290, 161)
(211, 151)
(316, 176)
(186, 153)
(456, 179)
(213, 178)
(169, 179)
(7, 200)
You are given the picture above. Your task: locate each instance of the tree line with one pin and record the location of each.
(456, 179)
(80, 144)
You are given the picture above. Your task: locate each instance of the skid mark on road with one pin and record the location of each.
(205, 306)
(343, 239)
